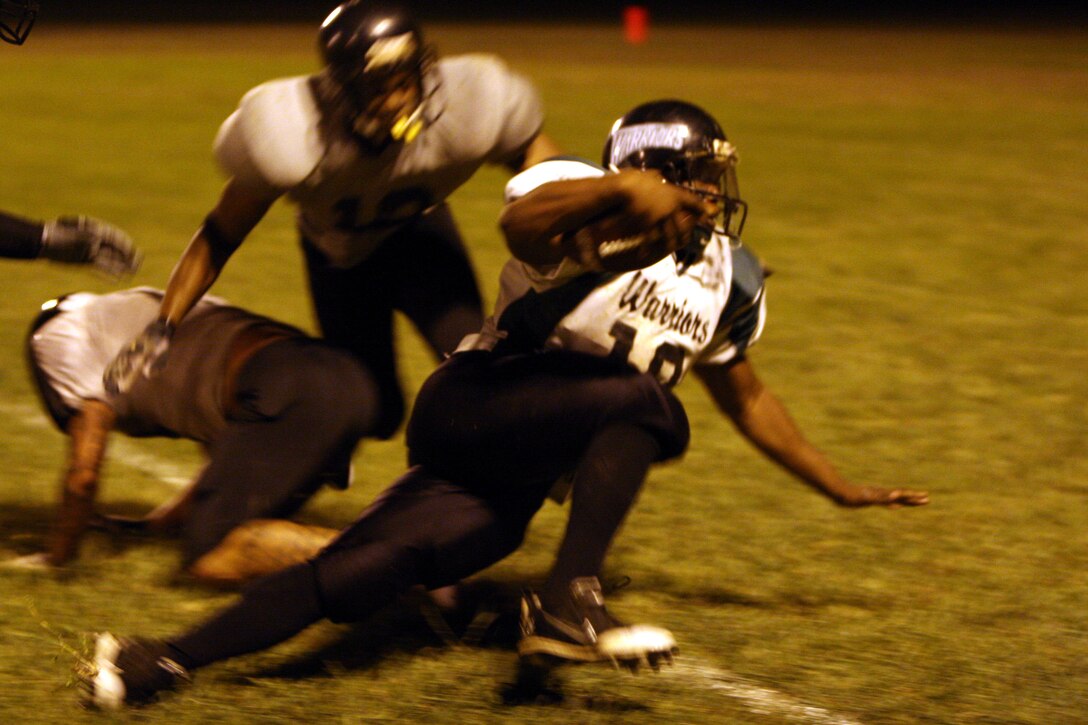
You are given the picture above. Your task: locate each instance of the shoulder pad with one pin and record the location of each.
(559, 168)
(505, 112)
(747, 270)
(273, 139)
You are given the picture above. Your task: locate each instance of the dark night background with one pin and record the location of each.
(923, 12)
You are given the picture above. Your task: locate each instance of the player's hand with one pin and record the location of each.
(652, 202)
(144, 356)
(858, 496)
(86, 240)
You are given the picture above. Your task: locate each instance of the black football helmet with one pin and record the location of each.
(16, 19)
(373, 52)
(688, 147)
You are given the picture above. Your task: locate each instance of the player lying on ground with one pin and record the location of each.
(74, 240)
(571, 378)
(368, 148)
(274, 409)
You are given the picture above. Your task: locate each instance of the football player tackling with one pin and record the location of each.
(274, 409)
(368, 148)
(570, 379)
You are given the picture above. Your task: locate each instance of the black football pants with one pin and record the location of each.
(488, 437)
(421, 270)
(302, 406)
(498, 430)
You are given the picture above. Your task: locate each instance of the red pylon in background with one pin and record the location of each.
(636, 24)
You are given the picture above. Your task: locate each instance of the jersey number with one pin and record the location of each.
(666, 352)
(396, 208)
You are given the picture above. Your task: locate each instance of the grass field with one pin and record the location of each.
(921, 196)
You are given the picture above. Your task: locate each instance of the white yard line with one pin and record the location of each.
(123, 451)
(756, 698)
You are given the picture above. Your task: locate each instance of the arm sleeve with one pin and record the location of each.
(19, 238)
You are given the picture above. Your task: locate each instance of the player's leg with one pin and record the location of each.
(424, 530)
(300, 403)
(421, 531)
(505, 421)
(538, 417)
(436, 286)
(354, 308)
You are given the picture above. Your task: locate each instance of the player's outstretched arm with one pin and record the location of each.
(223, 231)
(763, 419)
(88, 431)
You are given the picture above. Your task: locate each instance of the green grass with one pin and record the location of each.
(921, 197)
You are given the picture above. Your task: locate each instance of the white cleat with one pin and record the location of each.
(107, 687)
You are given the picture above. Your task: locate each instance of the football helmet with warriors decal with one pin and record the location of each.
(16, 19)
(375, 60)
(688, 147)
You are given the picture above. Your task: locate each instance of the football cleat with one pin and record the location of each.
(131, 672)
(546, 638)
(598, 637)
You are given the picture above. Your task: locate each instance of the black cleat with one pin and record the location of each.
(131, 672)
(598, 637)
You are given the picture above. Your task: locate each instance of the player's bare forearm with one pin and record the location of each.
(88, 431)
(762, 418)
(224, 229)
(193, 275)
(533, 223)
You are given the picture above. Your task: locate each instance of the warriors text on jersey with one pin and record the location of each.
(661, 319)
(280, 141)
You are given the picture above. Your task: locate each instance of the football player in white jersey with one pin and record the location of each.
(368, 148)
(570, 379)
(273, 408)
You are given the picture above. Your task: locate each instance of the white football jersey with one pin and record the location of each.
(661, 319)
(278, 142)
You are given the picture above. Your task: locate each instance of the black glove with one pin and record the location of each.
(145, 355)
(86, 240)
